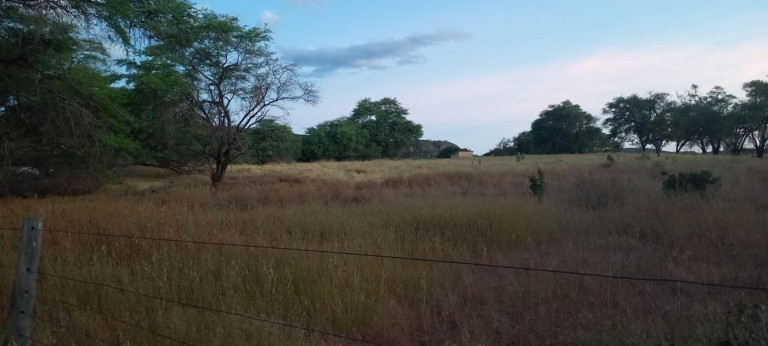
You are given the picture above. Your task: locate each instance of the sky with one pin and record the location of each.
(472, 72)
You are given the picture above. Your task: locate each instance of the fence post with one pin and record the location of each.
(18, 327)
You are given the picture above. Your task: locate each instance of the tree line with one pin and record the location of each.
(189, 88)
(374, 129)
(710, 121)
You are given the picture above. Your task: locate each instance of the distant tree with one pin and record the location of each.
(505, 147)
(338, 139)
(386, 124)
(448, 152)
(708, 118)
(681, 125)
(524, 143)
(756, 112)
(566, 128)
(641, 120)
(271, 141)
(738, 128)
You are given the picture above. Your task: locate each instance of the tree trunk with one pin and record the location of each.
(702, 145)
(679, 145)
(716, 147)
(218, 170)
(658, 151)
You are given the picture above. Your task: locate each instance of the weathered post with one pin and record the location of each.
(18, 326)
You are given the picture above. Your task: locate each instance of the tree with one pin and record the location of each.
(718, 105)
(756, 111)
(707, 119)
(338, 139)
(447, 152)
(566, 128)
(738, 128)
(58, 109)
(505, 147)
(272, 141)
(386, 124)
(122, 21)
(235, 82)
(641, 120)
(524, 143)
(681, 129)
(169, 131)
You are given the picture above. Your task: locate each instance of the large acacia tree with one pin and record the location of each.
(234, 82)
(756, 109)
(641, 120)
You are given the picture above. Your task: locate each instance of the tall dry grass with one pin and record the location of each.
(594, 218)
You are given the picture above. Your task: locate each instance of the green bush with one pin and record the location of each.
(690, 182)
(448, 151)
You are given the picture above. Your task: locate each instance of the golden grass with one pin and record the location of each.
(594, 218)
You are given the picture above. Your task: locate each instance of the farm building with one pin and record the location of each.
(462, 154)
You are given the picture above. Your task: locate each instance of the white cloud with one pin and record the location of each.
(268, 18)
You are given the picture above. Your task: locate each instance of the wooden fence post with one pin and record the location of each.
(18, 327)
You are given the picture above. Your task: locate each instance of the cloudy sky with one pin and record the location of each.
(473, 72)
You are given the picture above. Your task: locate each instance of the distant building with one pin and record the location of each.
(462, 154)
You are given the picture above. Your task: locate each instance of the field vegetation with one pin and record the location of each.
(599, 216)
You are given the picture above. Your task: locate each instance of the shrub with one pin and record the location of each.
(538, 185)
(519, 157)
(446, 152)
(690, 182)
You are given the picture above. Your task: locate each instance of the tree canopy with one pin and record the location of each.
(374, 129)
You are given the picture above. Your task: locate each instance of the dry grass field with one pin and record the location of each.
(595, 217)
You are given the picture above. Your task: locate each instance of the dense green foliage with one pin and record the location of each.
(271, 141)
(374, 129)
(560, 129)
(59, 113)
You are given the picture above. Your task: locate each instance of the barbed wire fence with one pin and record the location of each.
(108, 286)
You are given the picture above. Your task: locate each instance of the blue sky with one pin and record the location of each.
(472, 72)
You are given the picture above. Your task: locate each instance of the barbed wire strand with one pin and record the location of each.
(427, 260)
(283, 324)
(114, 319)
